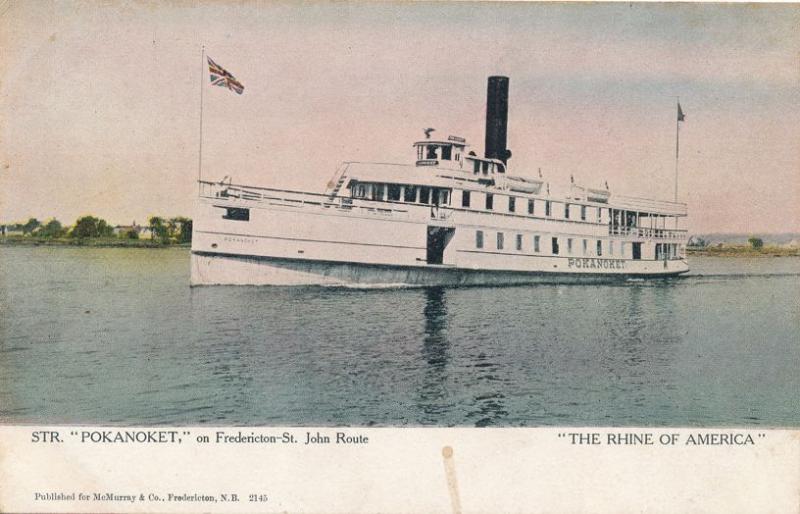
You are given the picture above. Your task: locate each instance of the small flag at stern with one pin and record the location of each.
(221, 77)
(681, 116)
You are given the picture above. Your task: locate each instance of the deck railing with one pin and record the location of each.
(289, 198)
(650, 233)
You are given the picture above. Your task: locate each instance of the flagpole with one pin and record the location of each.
(677, 147)
(202, 82)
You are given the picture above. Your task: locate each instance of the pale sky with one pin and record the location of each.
(100, 105)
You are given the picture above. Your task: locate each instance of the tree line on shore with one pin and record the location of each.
(163, 230)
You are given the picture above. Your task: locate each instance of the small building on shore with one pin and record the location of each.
(140, 231)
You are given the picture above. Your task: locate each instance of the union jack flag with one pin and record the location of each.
(221, 77)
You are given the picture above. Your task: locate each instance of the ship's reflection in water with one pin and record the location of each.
(440, 381)
(432, 397)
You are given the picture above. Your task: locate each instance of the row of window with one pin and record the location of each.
(554, 244)
(442, 196)
(466, 201)
(409, 194)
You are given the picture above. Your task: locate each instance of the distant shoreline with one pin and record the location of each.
(89, 242)
(114, 242)
(743, 251)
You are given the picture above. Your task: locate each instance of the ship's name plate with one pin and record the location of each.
(590, 262)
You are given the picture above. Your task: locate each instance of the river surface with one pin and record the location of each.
(116, 336)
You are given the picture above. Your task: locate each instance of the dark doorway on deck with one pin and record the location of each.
(438, 237)
(637, 251)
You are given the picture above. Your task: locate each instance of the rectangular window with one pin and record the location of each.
(535, 243)
(237, 214)
(446, 152)
(599, 248)
(410, 194)
(599, 214)
(566, 211)
(394, 193)
(377, 192)
(583, 213)
(530, 206)
(636, 251)
(512, 203)
(519, 242)
(499, 240)
(547, 208)
(555, 246)
(489, 201)
(424, 195)
(585, 247)
(479, 239)
(569, 246)
(465, 199)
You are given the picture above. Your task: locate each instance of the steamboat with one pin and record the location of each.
(451, 217)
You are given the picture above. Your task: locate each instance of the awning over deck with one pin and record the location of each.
(660, 207)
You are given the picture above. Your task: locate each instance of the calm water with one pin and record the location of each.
(116, 336)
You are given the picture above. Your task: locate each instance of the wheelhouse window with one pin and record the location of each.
(489, 201)
(359, 191)
(465, 199)
(555, 246)
(599, 248)
(530, 206)
(446, 152)
(566, 211)
(394, 193)
(512, 203)
(599, 214)
(499, 240)
(410, 194)
(431, 152)
(479, 239)
(536, 243)
(519, 242)
(236, 214)
(547, 210)
(583, 213)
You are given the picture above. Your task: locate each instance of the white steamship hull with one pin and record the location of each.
(218, 269)
(292, 239)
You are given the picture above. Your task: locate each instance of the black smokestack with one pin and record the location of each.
(497, 119)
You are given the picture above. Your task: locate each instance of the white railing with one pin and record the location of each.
(296, 199)
(650, 233)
